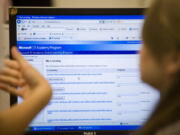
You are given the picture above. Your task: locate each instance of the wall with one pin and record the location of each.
(101, 3)
(4, 97)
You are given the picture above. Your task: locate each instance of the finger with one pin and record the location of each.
(22, 82)
(10, 89)
(12, 64)
(10, 80)
(10, 72)
(31, 76)
(17, 56)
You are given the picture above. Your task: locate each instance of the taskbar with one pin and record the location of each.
(80, 128)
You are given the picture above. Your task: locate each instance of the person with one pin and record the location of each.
(20, 78)
(160, 65)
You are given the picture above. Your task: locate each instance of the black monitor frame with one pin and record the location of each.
(66, 11)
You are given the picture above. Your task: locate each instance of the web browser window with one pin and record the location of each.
(92, 63)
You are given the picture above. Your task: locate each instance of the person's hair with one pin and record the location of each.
(161, 35)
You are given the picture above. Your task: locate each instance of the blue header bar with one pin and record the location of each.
(79, 47)
(64, 17)
(35, 49)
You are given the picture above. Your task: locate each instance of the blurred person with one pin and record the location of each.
(160, 65)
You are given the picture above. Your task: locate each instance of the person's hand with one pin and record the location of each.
(20, 78)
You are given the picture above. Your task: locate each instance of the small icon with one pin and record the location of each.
(18, 21)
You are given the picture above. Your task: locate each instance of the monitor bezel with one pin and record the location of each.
(14, 11)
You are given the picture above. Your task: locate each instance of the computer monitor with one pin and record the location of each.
(91, 59)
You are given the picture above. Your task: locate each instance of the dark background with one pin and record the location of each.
(32, 3)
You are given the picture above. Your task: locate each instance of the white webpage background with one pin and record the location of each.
(94, 90)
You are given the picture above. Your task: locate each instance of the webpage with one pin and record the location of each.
(92, 63)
